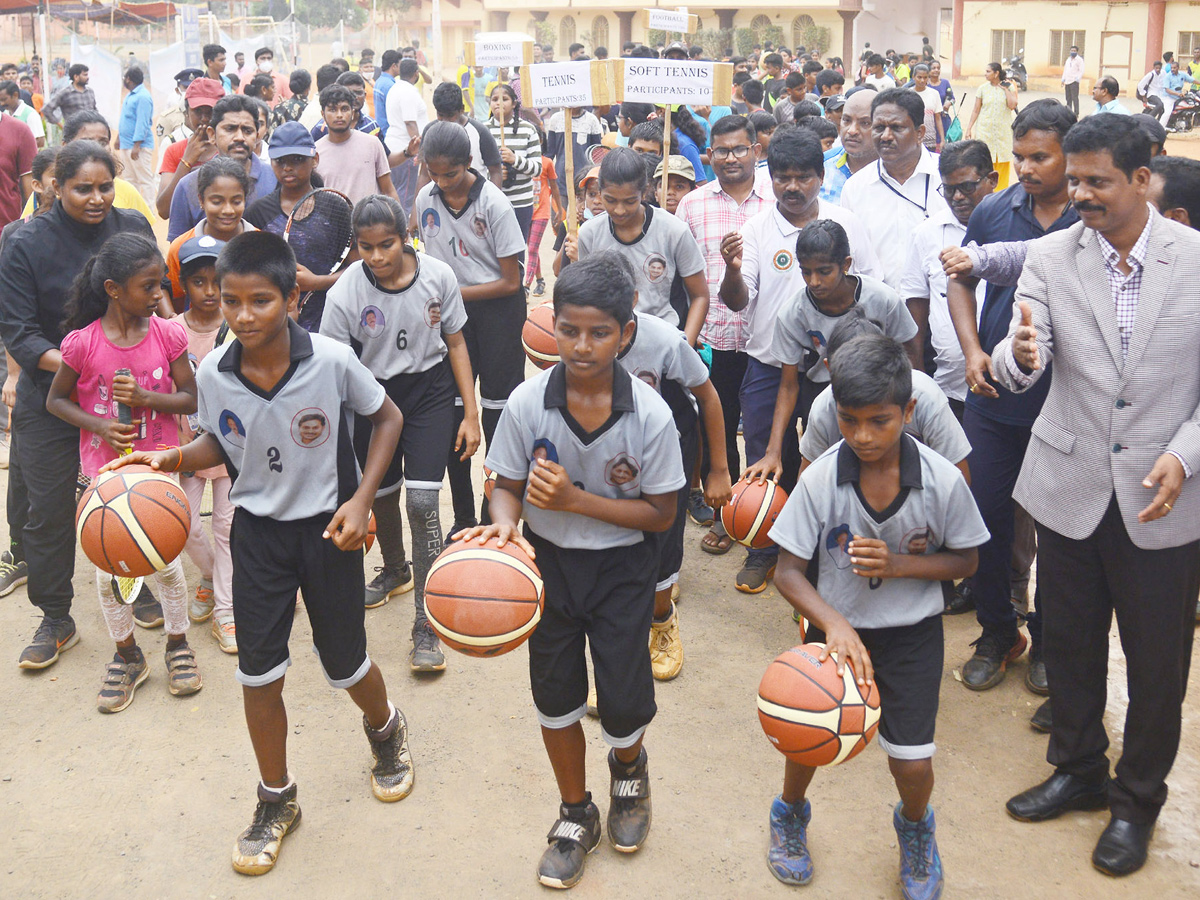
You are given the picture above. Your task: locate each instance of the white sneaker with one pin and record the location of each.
(225, 633)
(201, 605)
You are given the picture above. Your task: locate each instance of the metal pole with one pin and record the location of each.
(435, 45)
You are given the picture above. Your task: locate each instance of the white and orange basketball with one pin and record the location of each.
(537, 337)
(133, 522)
(752, 510)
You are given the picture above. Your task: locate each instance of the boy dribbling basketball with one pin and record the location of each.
(881, 613)
(295, 526)
(611, 471)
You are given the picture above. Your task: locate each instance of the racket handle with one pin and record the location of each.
(124, 413)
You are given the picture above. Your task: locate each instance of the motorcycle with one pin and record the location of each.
(1183, 116)
(1014, 70)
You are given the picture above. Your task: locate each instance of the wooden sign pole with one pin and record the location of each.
(572, 211)
(666, 154)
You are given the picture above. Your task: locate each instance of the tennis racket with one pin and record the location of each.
(319, 232)
(125, 589)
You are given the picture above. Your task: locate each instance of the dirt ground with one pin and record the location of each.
(148, 803)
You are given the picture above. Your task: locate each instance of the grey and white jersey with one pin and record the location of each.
(934, 511)
(288, 450)
(660, 352)
(665, 248)
(474, 241)
(802, 330)
(933, 423)
(396, 332)
(635, 452)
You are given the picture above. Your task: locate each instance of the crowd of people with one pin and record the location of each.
(871, 294)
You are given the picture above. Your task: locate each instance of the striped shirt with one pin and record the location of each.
(1126, 289)
(524, 142)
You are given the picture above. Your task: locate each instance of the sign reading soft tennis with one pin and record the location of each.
(673, 81)
(499, 48)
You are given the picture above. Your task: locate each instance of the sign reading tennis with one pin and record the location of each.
(568, 84)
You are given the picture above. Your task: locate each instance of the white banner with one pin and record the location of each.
(670, 20)
(665, 81)
(501, 49)
(564, 84)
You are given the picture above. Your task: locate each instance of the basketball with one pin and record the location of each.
(483, 600)
(811, 714)
(752, 510)
(133, 522)
(537, 337)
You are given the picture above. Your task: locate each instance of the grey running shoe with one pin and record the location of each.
(392, 774)
(426, 655)
(51, 638)
(388, 583)
(13, 574)
(572, 838)
(121, 680)
(258, 846)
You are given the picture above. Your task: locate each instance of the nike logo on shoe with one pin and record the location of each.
(631, 788)
(564, 830)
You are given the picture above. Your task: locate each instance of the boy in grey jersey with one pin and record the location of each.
(588, 455)
(889, 518)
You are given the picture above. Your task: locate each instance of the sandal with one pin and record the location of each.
(183, 676)
(721, 545)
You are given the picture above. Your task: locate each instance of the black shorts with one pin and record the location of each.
(493, 336)
(426, 400)
(271, 561)
(604, 598)
(670, 542)
(908, 662)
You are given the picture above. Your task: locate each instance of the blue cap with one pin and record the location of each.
(200, 247)
(291, 139)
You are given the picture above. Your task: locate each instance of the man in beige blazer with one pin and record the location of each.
(1113, 302)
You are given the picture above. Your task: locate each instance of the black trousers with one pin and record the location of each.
(1072, 96)
(1153, 593)
(48, 450)
(728, 370)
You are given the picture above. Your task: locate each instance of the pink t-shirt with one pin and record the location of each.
(199, 345)
(96, 359)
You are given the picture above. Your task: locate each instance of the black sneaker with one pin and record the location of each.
(572, 838)
(13, 574)
(963, 599)
(993, 653)
(426, 654)
(699, 511)
(258, 846)
(51, 638)
(392, 774)
(539, 287)
(1035, 678)
(629, 813)
(388, 583)
(1042, 721)
(147, 611)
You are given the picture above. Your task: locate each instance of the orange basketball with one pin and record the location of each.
(811, 714)
(752, 510)
(133, 522)
(483, 600)
(537, 337)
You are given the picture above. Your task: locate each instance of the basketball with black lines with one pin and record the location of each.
(537, 337)
(752, 510)
(133, 522)
(483, 599)
(813, 715)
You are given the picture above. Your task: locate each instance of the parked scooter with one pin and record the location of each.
(1014, 70)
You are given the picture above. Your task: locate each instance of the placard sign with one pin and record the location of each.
(502, 49)
(671, 81)
(672, 20)
(566, 84)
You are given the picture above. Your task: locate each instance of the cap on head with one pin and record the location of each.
(677, 48)
(185, 77)
(677, 165)
(200, 247)
(203, 92)
(291, 139)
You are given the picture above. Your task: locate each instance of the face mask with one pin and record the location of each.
(1073, 54)
(265, 66)
(588, 214)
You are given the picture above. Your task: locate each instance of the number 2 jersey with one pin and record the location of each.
(288, 450)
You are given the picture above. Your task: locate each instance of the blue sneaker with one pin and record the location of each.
(788, 856)
(921, 876)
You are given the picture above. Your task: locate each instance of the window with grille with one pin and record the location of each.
(1061, 43)
(1188, 41)
(1007, 43)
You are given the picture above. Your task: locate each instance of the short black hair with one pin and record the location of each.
(730, 124)
(409, 67)
(1044, 115)
(222, 167)
(335, 95)
(448, 99)
(812, 66)
(646, 131)
(623, 166)
(875, 60)
(446, 140)
(772, 59)
(829, 78)
(1119, 135)
(260, 253)
(753, 91)
(352, 79)
(263, 51)
(871, 369)
(300, 81)
(208, 53)
(794, 80)
(1181, 184)
(637, 113)
(851, 324)
(389, 59)
(960, 154)
(823, 239)
(326, 75)
(602, 281)
(795, 149)
(76, 70)
(1110, 86)
(806, 109)
(907, 100)
(9, 87)
(741, 78)
(234, 103)
(822, 128)
(75, 122)
(378, 209)
(576, 46)
(135, 75)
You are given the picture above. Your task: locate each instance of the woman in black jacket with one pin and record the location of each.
(38, 264)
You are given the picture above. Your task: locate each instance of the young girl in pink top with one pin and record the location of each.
(113, 326)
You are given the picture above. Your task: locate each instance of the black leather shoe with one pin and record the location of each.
(1035, 678)
(1122, 847)
(1056, 795)
(961, 601)
(1041, 721)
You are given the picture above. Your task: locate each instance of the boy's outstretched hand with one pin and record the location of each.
(845, 646)
(348, 527)
(502, 533)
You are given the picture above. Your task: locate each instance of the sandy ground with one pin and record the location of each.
(147, 803)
